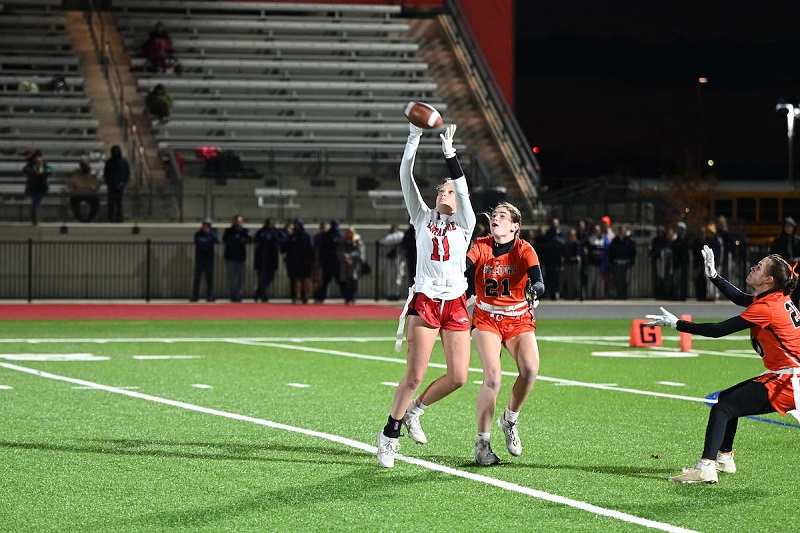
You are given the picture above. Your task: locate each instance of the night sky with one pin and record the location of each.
(611, 87)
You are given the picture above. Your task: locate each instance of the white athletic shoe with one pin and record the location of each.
(484, 454)
(699, 473)
(725, 463)
(411, 422)
(513, 445)
(386, 448)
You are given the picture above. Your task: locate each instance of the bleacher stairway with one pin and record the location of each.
(308, 95)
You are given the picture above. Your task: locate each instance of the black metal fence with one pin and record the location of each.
(49, 270)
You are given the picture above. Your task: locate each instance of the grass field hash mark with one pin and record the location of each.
(553, 498)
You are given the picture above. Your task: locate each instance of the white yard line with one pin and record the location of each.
(577, 504)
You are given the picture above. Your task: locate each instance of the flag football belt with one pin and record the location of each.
(511, 310)
(795, 372)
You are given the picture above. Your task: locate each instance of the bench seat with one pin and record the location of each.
(261, 8)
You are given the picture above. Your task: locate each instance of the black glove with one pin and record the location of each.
(530, 295)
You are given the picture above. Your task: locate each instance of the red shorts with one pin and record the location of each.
(506, 327)
(447, 314)
(779, 391)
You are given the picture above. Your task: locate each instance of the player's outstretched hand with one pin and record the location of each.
(414, 131)
(530, 295)
(708, 262)
(664, 319)
(447, 141)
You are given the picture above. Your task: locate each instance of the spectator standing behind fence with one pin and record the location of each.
(205, 239)
(37, 183)
(116, 174)
(391, 245)
(409, 247)
(551, 254)
(573, 259)
(83, 186)
(787, 245)
(728, 246)
(236, 238)
(680, 261)
(268, 241)
(327, 255)
(316, 271)
(622, 257)
(299, 259)
(159, 103)
(661, 264)
(352, 255)
(596, 264)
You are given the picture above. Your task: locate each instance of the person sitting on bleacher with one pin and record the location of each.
(37, 182)
(159, 103)
(83, 186)
(157, 49)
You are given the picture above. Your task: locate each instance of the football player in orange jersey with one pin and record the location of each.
(774, 324)
(504, 268)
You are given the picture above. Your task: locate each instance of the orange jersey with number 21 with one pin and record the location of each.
(501, 280)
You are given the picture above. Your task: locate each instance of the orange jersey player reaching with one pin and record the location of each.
(774, 324)
(508, 283)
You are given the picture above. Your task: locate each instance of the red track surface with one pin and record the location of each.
(199, 311)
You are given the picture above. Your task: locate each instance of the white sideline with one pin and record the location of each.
(367, 448)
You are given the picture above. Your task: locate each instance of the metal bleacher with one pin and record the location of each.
(310, 96)
(36, 48)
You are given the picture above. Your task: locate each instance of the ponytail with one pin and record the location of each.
(785, 275)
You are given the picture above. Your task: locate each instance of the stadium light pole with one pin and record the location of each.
(701, 123)
(791, 112)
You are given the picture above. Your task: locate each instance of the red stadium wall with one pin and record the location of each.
(492, 23)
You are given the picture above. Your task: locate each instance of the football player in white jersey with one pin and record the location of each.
(436, 305)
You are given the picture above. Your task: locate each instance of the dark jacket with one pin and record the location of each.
(204, 245)
(268, 243)
(37, 183)
(299, 251)
(236, 239)
(116, 174)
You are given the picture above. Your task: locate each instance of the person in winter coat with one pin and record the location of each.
(268, 241)
(236, 238)
(116, 174)
(352, 253)
(205, 239)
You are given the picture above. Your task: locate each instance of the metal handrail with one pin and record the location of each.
(505, 126)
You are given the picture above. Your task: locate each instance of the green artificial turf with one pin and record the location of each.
(240, 431)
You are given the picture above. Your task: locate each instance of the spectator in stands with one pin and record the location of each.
(351, 254)
(236, 238)
(269, 241)
(327, 255)
(299, 258)
(157, 49)
(83, 186)
(205, 239)
(116, 175)
(37, 182)
(391, 245)
(159, 103)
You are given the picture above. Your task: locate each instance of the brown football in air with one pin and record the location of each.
(423, 115)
